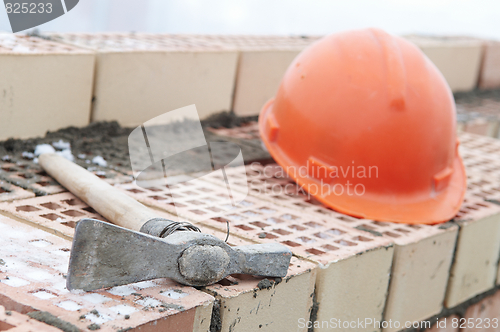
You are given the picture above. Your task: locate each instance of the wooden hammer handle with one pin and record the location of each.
(111, 203)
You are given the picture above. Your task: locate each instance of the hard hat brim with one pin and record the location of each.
(434, 208)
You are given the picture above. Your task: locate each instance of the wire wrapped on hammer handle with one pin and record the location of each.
(161, 227)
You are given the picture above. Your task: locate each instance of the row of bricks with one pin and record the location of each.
(339, 252)
(422, 260)
(243, 302)
(217, 73)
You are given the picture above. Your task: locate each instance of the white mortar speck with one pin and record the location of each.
(95, 298)
(121, 290)
(44, 148)
(44, 295)
(69, 305)
(123, 309)
(98, 160)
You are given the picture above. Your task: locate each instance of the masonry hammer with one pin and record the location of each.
(142, 246)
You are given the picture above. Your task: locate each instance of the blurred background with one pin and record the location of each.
(478, 18)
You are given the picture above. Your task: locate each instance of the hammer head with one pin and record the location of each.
(105, 255)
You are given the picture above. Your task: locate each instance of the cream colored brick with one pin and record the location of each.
(458, 58)
(262, 63)
(490, 69)
(139, 77)
(476, 257)
(43, 86)
(258, 79)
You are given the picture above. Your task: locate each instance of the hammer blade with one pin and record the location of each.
(105, 255)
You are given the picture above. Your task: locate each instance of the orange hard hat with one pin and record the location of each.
(365, 123)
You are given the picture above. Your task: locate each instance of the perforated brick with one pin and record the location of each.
(56, 214)
(33, 72)
(247, 131)
(32, 277)
(9, 192)
(249, 303)
(204, 75)
(476, 256)
(428, 248)
(341, 251)
(483, 316)
(23, 172)
(15, 322)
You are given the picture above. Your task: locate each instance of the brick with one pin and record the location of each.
(262, 63)
(482, 126)
(249, 303)
(490, 69)
(483, 316)
(163, 73)
(422, 253)
(16, 322)
(46, 86)
(458, 58)
(303, 275)
(57, 214)
(476, 256)
(9, 192)
(32, 279)
(342, 252)
(23, 172)
(446, 324)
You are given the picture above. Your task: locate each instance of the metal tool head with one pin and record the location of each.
(105, 255)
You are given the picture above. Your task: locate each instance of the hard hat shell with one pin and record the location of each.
(365, 123)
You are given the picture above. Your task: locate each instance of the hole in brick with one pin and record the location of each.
(73, 213)
(329, 247)
(313, 224)
(51, 216)
(246, 203)
(480, 205)
(190, 193)
(391, 234)
(274, 220)
(43, 183)
(346, 243)
(369, 227)
(158, 198)
(259, 224)
(225, 282)
(322, 235)
(179, 205)
(43, 294)
(251, 213)
(205, 190)
(72, 201)
(214, 209)
(3, 190)
(195, 202)
(135, 191)
(199, 212)
(281, 231)
(27, 208)
(472, 208)
(8, 169)
(335, 231)
(297, 227)
(289, 217)
(378, 223)
(219, 219)
(154, 189)
(315, 251)
(265, 235)
(65, 249)
(89, 210)
(414, 226)
(244, 227)
(305, 239)
(402, 230)
(70, 223)
(51, 206)
(344, 218)
(361, 238)
(26, 175)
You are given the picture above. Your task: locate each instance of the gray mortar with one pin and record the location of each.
(49, 319)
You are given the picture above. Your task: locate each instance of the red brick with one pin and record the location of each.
(480, 314)
(32, 279)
